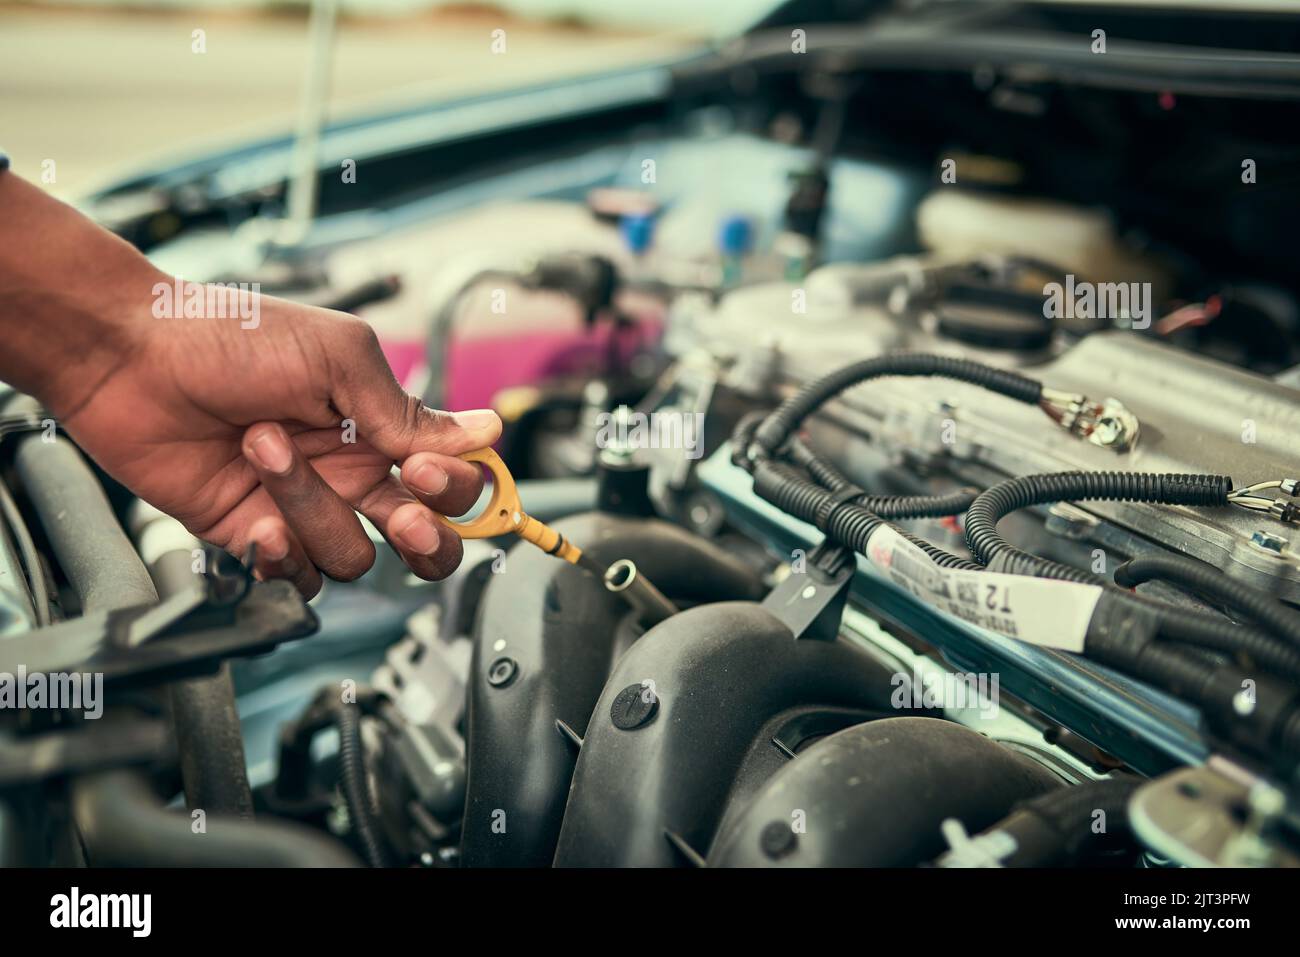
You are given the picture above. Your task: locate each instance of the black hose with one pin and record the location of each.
(782, 485)
(1071, 811)
(777, 427)
(210, 744)
(1066, 825)
(1246, 645)
(209, 736)
(1253, 711)
(849, 510)
(1206, 580)
(123, 823)
(356, 788)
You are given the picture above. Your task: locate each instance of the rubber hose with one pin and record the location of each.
(123, 823)
(1179, 674)
(1269, 728)
(1058, 828)
(1209, 581)
(356, 789)
(209, 737)
(1245, 644)
(1071, 812)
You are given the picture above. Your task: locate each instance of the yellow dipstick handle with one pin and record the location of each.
(505, 513)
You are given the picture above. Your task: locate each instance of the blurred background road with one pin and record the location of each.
(100, 88)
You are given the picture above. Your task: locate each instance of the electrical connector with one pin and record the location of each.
(1108, 424)
(1249, 498)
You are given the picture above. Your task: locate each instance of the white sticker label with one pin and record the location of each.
(1041, 611)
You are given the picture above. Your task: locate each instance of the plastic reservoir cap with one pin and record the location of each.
(735, 235)
(638, 230)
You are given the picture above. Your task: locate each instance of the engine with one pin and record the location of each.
(932, 467)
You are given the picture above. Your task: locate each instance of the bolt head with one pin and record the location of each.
(778, 839)
(502, 671)
(1269, 542)
(1108, 431)
(632, 710)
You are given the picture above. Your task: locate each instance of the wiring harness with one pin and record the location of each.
(1245, 677)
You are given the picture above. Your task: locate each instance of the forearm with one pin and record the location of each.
(233, 427)
(72, 297)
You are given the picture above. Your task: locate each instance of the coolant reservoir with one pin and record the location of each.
(960, 224)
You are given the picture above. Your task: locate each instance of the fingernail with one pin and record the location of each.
(430, 479)
(275, 550)
(475, 419)
(272, 452)
(420, 535)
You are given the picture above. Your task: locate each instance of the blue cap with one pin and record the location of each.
(735, 235)
(638, 230)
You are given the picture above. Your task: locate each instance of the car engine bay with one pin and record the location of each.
(923, 401)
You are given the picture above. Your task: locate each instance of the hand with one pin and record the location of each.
(240, 430)
(278, 435)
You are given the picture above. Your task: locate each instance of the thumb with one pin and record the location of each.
(395, 422)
